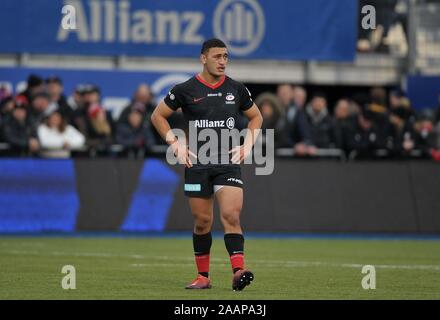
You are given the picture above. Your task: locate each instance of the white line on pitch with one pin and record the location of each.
(267, 263)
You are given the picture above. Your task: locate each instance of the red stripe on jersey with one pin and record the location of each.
(212, 86)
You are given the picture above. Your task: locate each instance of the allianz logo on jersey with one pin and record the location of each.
(228, 123)
(240, 23)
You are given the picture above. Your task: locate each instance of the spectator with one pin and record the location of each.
(378, 98)
(35, 84)
(271, 111)
(7, 105)
(401, 126)
(99, 126)
(75, 101)
(401, 119)
(79, 115)
(341, 119)
(299, 98)
(423, 134)
(39, 108)
(55, 90)
(363, 134)
(318, 129)
(19, 132)
(394, 98)
(57, 137)
(342, 109)
(142, 101)
(91, 119)
(285, 95)
(91, 94)
(291, 100)
(134, 133)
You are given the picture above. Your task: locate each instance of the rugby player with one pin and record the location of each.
(212, 99)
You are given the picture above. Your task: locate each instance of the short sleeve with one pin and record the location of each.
(174, 98)
(245, 98)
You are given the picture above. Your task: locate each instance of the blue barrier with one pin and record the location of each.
(37, 195)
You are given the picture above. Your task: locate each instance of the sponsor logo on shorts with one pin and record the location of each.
(192, 187)
(235, 180)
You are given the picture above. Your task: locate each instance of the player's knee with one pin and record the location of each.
(232, 216)
(203, 222)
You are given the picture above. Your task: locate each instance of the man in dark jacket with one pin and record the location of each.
(19, 133)
(364, 135)
(316, 130)
(39, 108)
(55, 90)
(135, 133)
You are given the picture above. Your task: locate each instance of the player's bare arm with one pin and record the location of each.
(253, 114)
(159, 119)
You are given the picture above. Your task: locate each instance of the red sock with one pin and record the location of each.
(237, 261)
(202, 263)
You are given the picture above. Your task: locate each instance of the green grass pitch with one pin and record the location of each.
(159, 268)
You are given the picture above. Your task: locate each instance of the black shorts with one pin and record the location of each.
(200, 181)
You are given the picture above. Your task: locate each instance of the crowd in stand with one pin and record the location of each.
(361, 126)
(43, 121)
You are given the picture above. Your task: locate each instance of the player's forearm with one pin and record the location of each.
(253, 127)
(162, 126)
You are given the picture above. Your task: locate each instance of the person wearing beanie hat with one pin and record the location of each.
(35, 84)
(39, 107)
(135, 133)
(55, 90)
(19, 132)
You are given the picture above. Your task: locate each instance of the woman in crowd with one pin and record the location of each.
(57, 138)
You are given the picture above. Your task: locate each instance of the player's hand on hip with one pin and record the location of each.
(183, 154)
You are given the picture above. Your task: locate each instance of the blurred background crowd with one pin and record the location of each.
(357, 106)
(44, 121)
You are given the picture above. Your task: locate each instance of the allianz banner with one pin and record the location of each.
(253, 29)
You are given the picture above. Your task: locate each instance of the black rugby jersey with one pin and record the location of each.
(215, 107)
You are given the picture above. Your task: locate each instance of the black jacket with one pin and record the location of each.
(131, 137)
(18, 134)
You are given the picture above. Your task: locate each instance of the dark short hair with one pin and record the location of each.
(34, 80)
(54, 79)
(41, 94)
(212, 43)
(319, 94)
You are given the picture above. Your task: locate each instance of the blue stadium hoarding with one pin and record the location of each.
(41, 195)
(253, 29)
(423, 91)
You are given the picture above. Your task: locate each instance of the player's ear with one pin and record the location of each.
(203, 58)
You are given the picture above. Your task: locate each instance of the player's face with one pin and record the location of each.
(215, 61)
